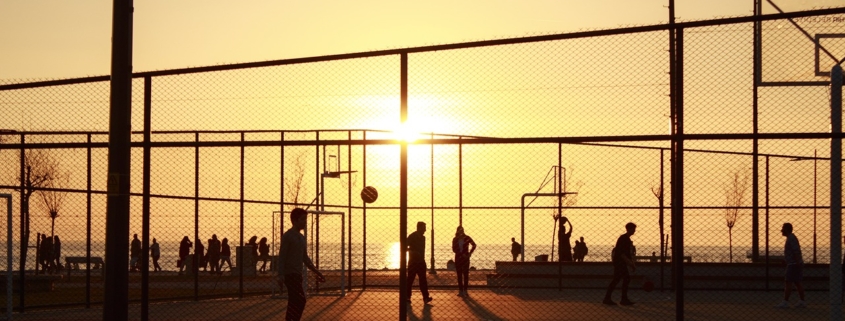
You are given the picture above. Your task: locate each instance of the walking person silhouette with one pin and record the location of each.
(416, 262)
(622, 258)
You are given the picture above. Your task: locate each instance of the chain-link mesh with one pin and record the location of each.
(510, 139)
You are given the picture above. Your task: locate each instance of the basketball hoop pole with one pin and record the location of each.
(342, 248)
(321, 207)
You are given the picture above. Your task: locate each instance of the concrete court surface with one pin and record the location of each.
(509, 304)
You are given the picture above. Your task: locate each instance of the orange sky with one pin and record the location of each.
(61, 39)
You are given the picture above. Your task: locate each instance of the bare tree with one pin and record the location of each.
(40, 168)
(53, 197)
(735, 191)
(295, 182)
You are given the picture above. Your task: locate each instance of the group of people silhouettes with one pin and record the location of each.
(462, 246)
(211, 260)
(293, 256)
(49, 252)
(566, 253)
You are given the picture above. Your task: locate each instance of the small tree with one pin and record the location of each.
(53, 198)
(295, 182)
(735, 191)
(40, 168)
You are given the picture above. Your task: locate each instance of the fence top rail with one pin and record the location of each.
(473, 44)
(256, 131)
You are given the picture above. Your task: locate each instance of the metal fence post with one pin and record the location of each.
(835, 193)
(678, 181)
(9, 255)
(403, 191)
(145, 215)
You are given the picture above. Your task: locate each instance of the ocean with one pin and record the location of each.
(386, 255)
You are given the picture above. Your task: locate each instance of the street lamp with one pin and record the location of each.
(815, 175)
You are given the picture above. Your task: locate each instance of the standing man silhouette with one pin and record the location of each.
(516, 248)
(622, 258)
(416, 262)
(794, 266)
(134, 253)
(292, 256)
(155, 252)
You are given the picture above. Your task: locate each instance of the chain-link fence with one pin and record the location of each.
(542, 149)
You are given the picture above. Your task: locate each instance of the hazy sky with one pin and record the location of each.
(60, 39)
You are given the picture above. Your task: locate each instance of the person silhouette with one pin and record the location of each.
(225, 255)
(134, 253)
(516, 249)
(416, 262)
(252, 246)
(46, 253)
(794, 266)
(460, 246)
(57, 253)
(564, 248)
(184, 251)
(199, 256)
(622, 258)
(580, 250)
(155, 253)
(213, 253)
(263, 253)
(292, 256)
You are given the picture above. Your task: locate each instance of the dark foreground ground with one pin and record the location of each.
(511, 304)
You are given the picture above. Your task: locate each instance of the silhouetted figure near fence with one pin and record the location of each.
(580, 250)
(184, 251)
(254, 245)
(134, 253)
(794, 267)
(460, 245)
(225, 255)
(516, 249)
(199, 256)
(263, 254)
(57, 254)
(416, 262)
(46, 252)
(292, 256)
(155, 253)
(213, 254)
(564, 247)
(622, 257)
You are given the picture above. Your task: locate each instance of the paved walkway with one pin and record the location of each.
(375, 304)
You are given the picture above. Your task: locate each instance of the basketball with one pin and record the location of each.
(648, 286)
(369, 194)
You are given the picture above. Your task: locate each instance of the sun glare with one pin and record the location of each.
(408, 132)
(393, 256)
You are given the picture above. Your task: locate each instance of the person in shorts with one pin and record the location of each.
(794, 267)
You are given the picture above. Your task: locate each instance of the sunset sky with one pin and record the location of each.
(63, 39)
(599, 86)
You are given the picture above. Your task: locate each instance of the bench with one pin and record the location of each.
(656, 259)
(73, 262)
(762, 258)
